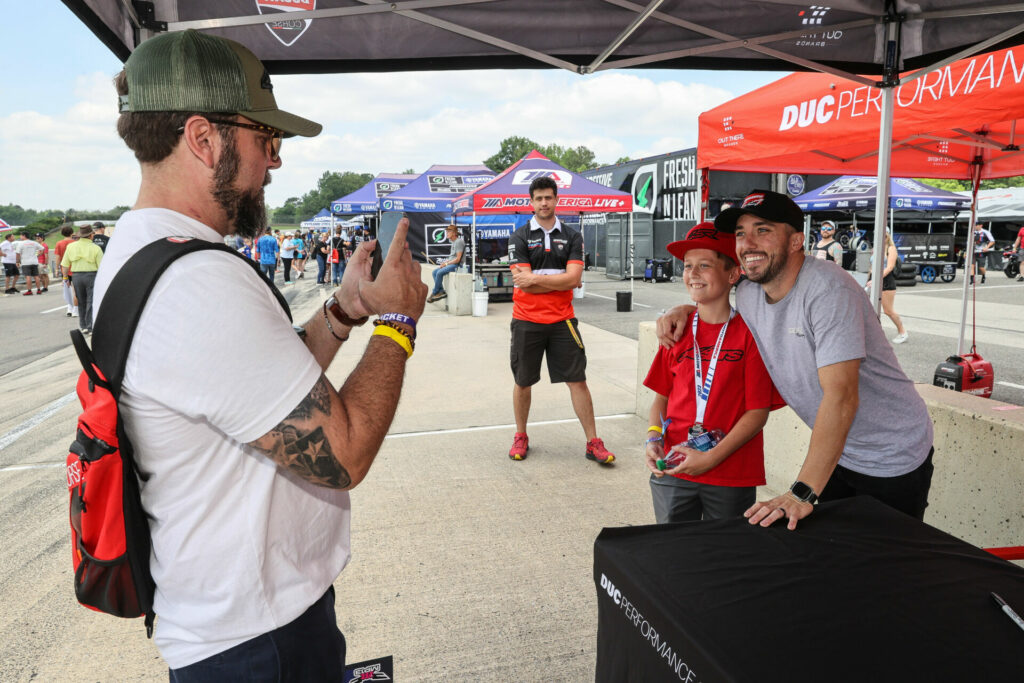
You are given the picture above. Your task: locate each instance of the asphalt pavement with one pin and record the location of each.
(466, 566)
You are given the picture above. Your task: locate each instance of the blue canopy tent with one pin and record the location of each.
(858, 194)
(320, 222)
(365, 199)
(427, 200)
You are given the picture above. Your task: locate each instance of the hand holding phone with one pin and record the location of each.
(376, 261)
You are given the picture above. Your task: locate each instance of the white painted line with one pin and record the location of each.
(404, 435)
(15, 468)
(612, 298)
(463, 430)
(981, 288)
(51, 310)
(19, 431)
(1011, 384)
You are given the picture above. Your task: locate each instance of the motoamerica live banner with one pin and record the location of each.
(809, 122)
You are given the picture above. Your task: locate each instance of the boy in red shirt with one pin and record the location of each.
(725, 388)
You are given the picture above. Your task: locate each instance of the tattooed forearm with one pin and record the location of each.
(305, 449)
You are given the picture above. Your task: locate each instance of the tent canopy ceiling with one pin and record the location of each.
(943, 122)
(584, 36)
(510, 191)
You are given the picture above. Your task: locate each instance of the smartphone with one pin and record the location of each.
(376, 261)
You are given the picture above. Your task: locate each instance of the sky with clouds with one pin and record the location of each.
(59, 148)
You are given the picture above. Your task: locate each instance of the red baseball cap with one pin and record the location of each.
(705, 236)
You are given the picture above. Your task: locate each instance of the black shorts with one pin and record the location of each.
(10, 270)
(30, 270)
(567, 357)
(889, 282)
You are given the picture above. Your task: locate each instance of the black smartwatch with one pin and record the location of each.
(803, 492)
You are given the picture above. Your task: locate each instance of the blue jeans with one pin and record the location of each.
(268, 270)
(311, 648)
(338, 270)
(321, 265)
(439, 277)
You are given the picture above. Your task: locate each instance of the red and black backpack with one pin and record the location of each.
(110, 541)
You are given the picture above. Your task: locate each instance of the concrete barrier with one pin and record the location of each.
(977, 491)
(458, 285)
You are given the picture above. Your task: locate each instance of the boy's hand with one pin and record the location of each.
(653, 453)
(695, 463)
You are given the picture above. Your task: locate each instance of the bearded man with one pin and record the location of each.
(244, 468)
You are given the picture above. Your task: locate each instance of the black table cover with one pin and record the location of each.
(859, 592)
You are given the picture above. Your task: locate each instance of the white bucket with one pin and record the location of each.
(479, 304)
(578, 292)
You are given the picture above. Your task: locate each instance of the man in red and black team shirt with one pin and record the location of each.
(547, 264)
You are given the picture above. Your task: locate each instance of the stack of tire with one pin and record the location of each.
(906, 274)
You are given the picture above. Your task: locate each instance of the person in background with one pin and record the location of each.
(10, 261)
(338, 249)
(299, 262)
(246, 248)
(83, 259)
(449, 264)
(827, 248)
(1018, 246)
(268, 249)
(44, 261)
(320, 253)
(287, 256)
(99, 235)
(67, 232)
(547, 264)
(892, 262)
(983, 245)
(28, 261)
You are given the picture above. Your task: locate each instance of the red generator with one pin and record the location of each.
(969, 373)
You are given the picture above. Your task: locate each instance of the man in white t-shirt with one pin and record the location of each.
(28, 263)
(9, 251)
(244, 468)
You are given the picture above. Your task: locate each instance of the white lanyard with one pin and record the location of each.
(703, 385)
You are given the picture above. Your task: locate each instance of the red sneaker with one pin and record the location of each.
(597, 452)
(520, 444)
(28, 293)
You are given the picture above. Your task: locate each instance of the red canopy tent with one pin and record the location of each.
(509, 192)
(958, 121)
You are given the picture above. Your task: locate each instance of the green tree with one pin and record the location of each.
(287, 212)
(329, 187)
(965, 185)
(576, 159)
(510, 151)
(622, 160)
(409, 171)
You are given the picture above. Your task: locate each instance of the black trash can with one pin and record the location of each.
(624, 302)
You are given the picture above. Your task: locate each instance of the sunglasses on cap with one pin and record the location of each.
(273, 142)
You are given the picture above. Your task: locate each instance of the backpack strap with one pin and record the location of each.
(128, 292)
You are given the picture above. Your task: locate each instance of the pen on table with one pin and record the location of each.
(1009, 611)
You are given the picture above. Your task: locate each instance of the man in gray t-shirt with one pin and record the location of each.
(449, 264)
(828, 357)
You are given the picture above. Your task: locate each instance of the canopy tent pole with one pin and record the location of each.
(888, 87)
(472, 261)
(968, 254)
(631, 255)
(882, 199)
(807, 232)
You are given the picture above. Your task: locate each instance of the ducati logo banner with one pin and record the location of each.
(286, 30)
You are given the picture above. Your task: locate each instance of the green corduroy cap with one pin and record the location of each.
(198, 72)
